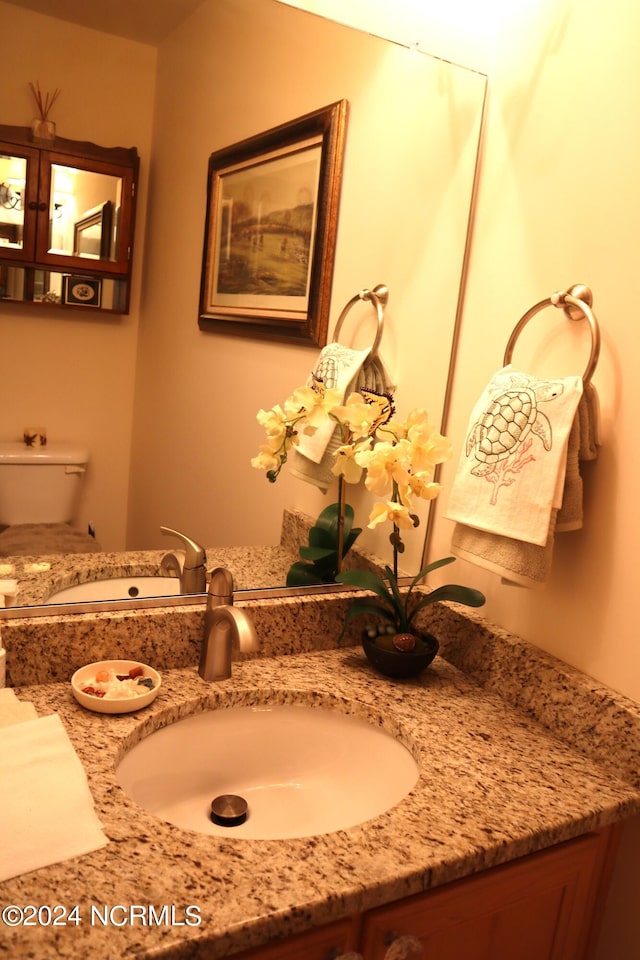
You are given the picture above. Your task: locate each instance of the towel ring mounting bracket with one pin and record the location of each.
(576, 303)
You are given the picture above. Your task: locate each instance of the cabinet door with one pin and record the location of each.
(536, 908)
(85, 209)
(324, 943)
(18, 201)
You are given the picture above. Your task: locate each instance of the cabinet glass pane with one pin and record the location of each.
(13, 175)
(83, 213)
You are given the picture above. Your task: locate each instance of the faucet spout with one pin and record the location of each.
(225, 627)
(193, 573)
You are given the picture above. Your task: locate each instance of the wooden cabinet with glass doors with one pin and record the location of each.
(67, 213)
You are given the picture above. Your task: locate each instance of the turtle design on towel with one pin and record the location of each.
(507, 420)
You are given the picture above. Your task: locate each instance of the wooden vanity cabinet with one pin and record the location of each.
(543, 906)
(540, 907)
(323, 943)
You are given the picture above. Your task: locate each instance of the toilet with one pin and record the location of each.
(40, 484)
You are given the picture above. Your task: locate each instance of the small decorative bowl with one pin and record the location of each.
(401, 664)
(86, 677)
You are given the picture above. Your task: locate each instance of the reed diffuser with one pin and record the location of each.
(41, 127)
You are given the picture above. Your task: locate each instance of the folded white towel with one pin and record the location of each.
(511, 474)
(47, 808)
(336, 367)
(13, 710)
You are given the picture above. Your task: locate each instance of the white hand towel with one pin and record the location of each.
(511, 475)
(47, 808)
(337, 366)
(13, 710)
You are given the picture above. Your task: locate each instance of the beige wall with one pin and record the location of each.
(74, 373)
(559, 203)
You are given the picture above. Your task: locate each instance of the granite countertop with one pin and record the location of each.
(495, 784)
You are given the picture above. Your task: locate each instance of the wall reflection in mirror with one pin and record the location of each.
(410, 162)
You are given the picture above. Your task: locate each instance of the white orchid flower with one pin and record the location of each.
(395, 513)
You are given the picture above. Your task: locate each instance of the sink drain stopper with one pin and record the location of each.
(229, 810)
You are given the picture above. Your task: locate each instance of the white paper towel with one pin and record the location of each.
(47, 808)
(13, 710)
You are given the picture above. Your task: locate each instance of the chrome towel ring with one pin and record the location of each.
(576, 303)
(379, 297)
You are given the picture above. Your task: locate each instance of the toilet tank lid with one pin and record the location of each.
(16, 452)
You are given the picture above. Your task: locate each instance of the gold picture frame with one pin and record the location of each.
(270, 233)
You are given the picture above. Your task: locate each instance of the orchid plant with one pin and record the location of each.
(395, 459)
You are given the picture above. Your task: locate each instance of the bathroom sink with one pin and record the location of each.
(118, 588)
(301, 770)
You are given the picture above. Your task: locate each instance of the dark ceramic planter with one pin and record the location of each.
(399, 664)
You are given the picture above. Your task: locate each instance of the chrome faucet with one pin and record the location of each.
(225, 626)
(193, 573)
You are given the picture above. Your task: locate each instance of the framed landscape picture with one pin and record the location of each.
(272, 213)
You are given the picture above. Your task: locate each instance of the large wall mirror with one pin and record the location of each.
(411, 162)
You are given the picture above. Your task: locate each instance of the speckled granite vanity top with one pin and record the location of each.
(495, 784)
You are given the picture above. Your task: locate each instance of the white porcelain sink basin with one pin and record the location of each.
(118, 588)
(301, 770)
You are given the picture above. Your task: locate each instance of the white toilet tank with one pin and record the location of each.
(40, 484)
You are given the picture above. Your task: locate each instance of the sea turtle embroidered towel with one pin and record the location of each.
(336, 367)
(511, 471)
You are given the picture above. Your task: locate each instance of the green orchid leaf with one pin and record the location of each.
(321, 553)
(367, 580)
(320, 537)
(360, 607)
(304, 575)
(325, 532)
(317, 553)
(452, 591)
(329, 521)
(435, 565)
(351, 539)
(393, 583)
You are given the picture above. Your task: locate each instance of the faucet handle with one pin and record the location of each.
(195, 555)
(220, 588)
